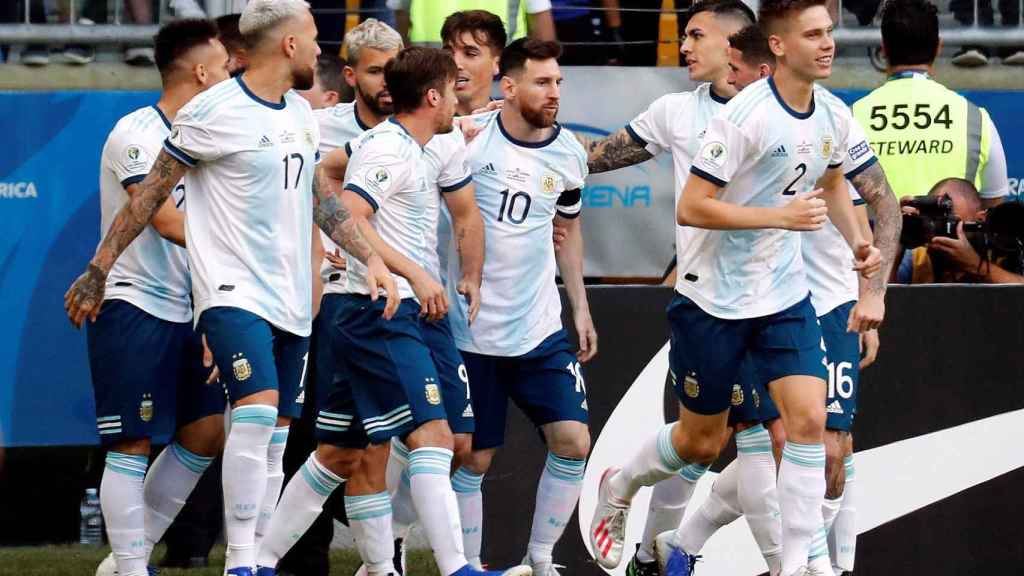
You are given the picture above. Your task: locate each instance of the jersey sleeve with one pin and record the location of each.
(854, 195)
(537, 6)
(853, 153)
(129, 156)
(651, 129)
(376, 171)
(570, 201)
(723, 151)
(994, 183)
(192, 140)
(455, 173)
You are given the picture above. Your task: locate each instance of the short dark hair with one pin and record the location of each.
(910, 32)
(773, 11)
(960, 188)
(753, 44)
(413, 72)
(486, 28)
(329, 67)
(515, 55)
(730, 8)
(229, 33)
(174, 40)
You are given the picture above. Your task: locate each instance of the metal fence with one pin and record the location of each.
(122, 31)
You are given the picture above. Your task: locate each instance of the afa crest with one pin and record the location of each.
(241, 367)
(690, 385)
(433, 394)
(146, 408)
(737, 395)
(826, 147)
(548, 184)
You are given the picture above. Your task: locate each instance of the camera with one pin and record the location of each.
(935, 217)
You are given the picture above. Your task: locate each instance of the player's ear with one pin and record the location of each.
(288, 44)
(350, 76)
(764, 70)
(776, 45)
(331, 97)
(201, 74)
(508, 86)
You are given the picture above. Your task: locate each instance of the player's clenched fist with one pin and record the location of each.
(805, 213)
(85, 296)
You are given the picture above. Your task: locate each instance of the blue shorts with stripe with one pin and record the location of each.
(545, 383)
(842, 352)
(254, 356)
(384, 383)
(452, 371)
(147, 374)
(707, 352)
(750, 401)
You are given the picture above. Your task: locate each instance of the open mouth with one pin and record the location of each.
(461, 83)
(824, 60)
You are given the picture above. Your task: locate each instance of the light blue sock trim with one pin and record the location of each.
(399, 448)
(693, 472)
(127, 464)
(819, 544)
(807, 455)
(430, 461)
(280, 435)
(755, 440)
(566, 469)
(466, 482)
(194, 462)
(666, 452)
(319, 478)
(367, 507)
(254, 414)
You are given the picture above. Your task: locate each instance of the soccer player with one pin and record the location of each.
(329, 86)
(741, 279)
(528, 172)
(475, 38)
(386, 384)
(145, 358)
(247, 148)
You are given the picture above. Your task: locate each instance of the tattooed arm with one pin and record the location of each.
(613, 152)
(468, 229)
(873, 187)
(84, 298)
(336, 221)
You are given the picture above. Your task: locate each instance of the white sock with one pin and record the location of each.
(171, 479)
(123, 506)
(471, 512)
(397, 477)
(275, 478)
(656, 460)
(245, 479)
(369, 519)
(842, 540)
(829, 511)
(665, 512)
(432, 494)
(557, 493)
(758, 495)
(721, 508)
(821, 564)
(801, 493)
(301, 502)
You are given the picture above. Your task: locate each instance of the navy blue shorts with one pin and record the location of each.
(842, 351)
(454, 377)
(254, 356)
(707, 352)
(147, 374)
(750, 401)
(546, 383)
(384, 382)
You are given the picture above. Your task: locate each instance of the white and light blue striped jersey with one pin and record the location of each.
(676, 123)
(152, 273)
(339, 125)
(520, 187)
(250, 211)
(762, 153)
(386, 169)
(446, 169)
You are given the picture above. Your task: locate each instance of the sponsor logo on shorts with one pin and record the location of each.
(468, 412)
(690, 385)
(835, 408)
(241, 367)
(146, 408)
(737, 395)
(433, 392)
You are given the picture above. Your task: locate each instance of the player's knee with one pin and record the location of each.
(432, 434)
(284, 421)
(806, 425)
(568, 439)
(479, 461)
(134, 446)
(463, 448)
(344, 462)
(700, 449)
(204, 437)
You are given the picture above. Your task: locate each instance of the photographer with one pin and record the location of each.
(951, 239)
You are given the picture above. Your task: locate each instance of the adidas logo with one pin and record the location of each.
(468, 412)
(834, 408)
(265, 142)
(780, 152)
(488, 169)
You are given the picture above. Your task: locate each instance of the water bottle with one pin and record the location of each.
(91, 529)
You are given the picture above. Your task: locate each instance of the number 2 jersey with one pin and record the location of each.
(520, 187)
(250, 210)
(762, 153)
(152, 273)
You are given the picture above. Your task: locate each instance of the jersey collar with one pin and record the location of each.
(910, 74)
(524, 144)
(790, 111)
(162, 116)
(278, 106)
(715, 96)
(359, 121)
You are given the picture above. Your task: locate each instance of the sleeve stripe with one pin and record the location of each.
(636, 137)
(458, 185)
(316, 159)
(180, 154)
(132, 180)
(709, 177)
(856, 171)
(366, 195)
(859, 202)
(569, 198)
(834, 166)
(569, 215)
(348, 149)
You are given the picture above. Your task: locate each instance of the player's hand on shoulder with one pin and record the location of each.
(468, 128)
(471, 290)
(85, 296)
(378, 277)
(805, 212)
(867, 259)
(587, 335)
(867, 314)
(431, 294)
(869, 344)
